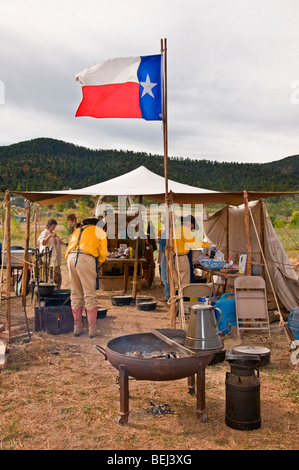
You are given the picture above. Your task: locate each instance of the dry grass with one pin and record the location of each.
(58, 392)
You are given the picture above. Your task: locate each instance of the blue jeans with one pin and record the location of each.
(164, 276)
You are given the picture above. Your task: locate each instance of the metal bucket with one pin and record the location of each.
(242, 389)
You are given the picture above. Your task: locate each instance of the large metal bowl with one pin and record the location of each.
(121, 350)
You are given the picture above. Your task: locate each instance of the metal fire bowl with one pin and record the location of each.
(160, 369)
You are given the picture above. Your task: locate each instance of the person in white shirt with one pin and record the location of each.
(50, 239)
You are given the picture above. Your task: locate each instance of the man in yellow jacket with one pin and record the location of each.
(87, 247)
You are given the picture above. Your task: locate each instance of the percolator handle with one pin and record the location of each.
(216, 308)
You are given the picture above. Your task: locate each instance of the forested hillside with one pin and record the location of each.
(49, 164)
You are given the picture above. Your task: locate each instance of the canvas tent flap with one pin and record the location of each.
(143, 182)
(283, 276)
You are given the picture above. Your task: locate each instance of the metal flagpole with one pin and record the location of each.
(168, 199)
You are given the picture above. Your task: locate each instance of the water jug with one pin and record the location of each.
(293, 322)
(242, 263)
(242, 390)
(219, 255)
(226, 303)
(203, 330)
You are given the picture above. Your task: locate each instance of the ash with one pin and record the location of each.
(159, 410)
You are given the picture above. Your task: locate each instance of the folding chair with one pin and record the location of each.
(251, 304)
(194, 291)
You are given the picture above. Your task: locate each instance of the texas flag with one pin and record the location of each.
(126, 87)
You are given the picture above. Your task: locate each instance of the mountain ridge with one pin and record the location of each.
(52, 164)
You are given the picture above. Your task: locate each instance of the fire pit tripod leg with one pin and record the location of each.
(124, 394)
(201, 395)
(191, 385)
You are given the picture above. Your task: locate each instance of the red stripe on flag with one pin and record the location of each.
(110, 101)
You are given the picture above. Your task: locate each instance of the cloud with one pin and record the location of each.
(230, 69)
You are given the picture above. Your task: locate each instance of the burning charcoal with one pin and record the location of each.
(159, 410)
(172, 355)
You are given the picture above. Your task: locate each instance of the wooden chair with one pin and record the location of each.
(251, 304)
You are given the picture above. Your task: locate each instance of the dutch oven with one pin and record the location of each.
(102, 312)
(146, 306)
(139, 354)
(44, 289)
(249, 351)
(120, 300)
(141, 299)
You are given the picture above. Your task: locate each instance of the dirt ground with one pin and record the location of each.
(59, 393)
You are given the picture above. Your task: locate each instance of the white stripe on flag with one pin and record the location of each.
(111, 71)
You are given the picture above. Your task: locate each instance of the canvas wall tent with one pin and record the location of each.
(223, 230)
(143, 182)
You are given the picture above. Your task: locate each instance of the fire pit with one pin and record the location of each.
(159, 356)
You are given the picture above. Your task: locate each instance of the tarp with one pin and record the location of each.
(283, 276)
(143, 182)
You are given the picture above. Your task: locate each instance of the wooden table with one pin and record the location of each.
(227, 276)
(124, 263)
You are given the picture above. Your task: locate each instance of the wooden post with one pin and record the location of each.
(135, 274)
(8, 262)
(164, 106)
(168, 200)
(227, 231)
(25, 267)
(35, 227)
(262, 235)
(247, 235)
(170, 264)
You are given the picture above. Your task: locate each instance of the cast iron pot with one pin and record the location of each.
(119, 351)
(102, 312)
(44, 289)
(146, 306)
(120, 300)
(141, 299)
(251, 350)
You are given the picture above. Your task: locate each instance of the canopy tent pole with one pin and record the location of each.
(227, 231)
(8, 261)
(35, 227)
(262, 235)
(25, 267)
(247, 235)
(135, 273)
(168, 199)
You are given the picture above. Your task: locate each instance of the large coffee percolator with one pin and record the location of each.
(203, 330)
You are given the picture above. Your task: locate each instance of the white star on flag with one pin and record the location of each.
(147, 87)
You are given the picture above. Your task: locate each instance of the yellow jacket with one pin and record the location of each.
(93, 241)
(184, 240)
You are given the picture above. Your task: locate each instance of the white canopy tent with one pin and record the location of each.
(143, 182)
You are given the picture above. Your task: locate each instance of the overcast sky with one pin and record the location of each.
(233, 74)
